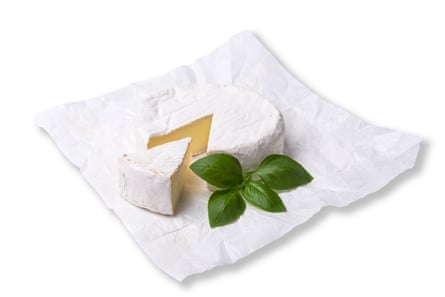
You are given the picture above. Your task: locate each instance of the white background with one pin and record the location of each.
(383, 61)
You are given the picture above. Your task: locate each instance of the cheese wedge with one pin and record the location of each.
(243, 123)
(153, 179)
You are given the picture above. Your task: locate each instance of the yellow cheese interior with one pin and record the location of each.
(198, 130)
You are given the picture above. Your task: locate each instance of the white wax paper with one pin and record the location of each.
(348, 158)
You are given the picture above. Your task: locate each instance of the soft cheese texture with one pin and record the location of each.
(153, 179)
(244, 123)
(198, 130)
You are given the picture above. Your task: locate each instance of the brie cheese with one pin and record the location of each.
(244, 124)
(153, 179)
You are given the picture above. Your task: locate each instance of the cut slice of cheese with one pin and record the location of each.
(198, 130)
(244, 123)
(153, 179)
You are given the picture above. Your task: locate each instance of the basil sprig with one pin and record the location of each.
(227, 204)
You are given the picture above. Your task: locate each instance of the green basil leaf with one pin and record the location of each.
(220, 170)
(225, 207)
(280, 172)
(261, 196)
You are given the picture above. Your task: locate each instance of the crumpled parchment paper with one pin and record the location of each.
(348, 158)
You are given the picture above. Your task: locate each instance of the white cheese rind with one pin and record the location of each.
(153, 178)
(245, 124)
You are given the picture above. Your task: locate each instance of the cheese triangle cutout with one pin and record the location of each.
(198, 130)
(153, 179)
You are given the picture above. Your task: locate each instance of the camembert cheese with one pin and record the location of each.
(243, 123)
